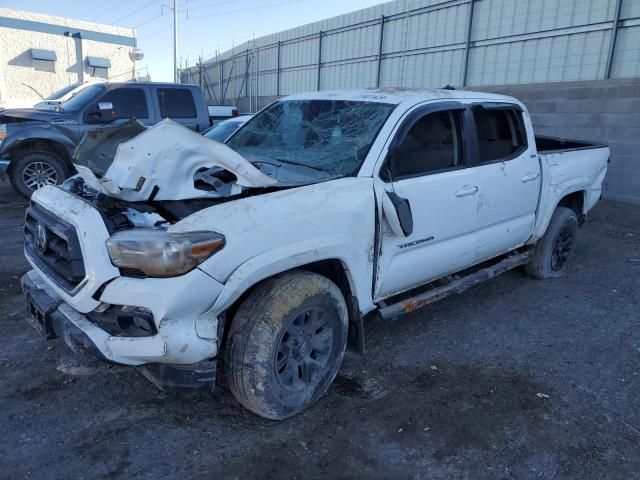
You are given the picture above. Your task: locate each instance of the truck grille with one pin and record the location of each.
(53, 245)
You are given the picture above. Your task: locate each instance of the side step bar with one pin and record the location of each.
(456, 285)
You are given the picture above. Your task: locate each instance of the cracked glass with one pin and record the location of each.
(329, 136)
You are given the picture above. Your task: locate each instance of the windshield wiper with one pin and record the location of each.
(288, 162)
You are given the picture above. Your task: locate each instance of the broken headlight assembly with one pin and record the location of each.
(158, 253)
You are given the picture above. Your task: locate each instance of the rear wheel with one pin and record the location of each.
(35, 169)
(554, 249)
(286, 343)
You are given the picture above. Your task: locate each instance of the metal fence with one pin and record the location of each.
(431, 43)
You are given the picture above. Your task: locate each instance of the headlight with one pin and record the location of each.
(158, 253)
(3, 132)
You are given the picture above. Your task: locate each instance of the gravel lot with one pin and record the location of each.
(516, 378)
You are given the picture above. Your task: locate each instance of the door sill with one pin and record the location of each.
(424, 295)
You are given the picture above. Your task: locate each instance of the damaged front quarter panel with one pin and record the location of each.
(163, 162)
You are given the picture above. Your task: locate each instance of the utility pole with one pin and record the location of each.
(175, 41)
(174, 9)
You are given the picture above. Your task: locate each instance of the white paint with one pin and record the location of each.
(471, 214)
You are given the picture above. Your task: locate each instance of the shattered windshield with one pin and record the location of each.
(332, 136)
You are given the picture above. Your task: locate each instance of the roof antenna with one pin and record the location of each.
(448, 87)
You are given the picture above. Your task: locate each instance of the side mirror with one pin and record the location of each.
(103, 113)
(397, 210)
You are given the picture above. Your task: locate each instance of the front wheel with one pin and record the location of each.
(35, 169)
(553, 250)
(286, 343)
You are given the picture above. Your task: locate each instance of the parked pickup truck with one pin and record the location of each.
(171, 251)
(36, 144)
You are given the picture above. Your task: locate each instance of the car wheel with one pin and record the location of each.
(286, 343)
(35, 169)
(553, 250)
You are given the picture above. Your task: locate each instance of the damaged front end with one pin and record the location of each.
(109, 276)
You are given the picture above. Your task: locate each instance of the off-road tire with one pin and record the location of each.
(18, 165)
(257, 332)
(562, 229)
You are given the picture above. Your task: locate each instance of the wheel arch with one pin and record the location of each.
(58, 147)
(574, 201)
(572, 198)
(334, 269)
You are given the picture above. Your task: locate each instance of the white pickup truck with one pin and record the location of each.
(170, 251)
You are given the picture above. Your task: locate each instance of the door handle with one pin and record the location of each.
(467, 190)
(530, 177)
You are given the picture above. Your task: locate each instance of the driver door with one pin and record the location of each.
(427, 166)
(128, 102)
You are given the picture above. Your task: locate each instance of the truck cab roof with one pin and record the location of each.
(400, 95)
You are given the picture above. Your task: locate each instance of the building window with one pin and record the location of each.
(99, 67)
(44, 60)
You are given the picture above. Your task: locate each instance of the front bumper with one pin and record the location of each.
(186, 326)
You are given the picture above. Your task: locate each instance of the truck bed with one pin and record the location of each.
(548, 144)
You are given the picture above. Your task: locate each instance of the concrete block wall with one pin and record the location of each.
(605, 111)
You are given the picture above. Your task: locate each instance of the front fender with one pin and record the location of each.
(273, 262)
(37, 133)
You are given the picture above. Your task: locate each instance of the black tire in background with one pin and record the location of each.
(286, 343)
(553, 250)
(33, 169)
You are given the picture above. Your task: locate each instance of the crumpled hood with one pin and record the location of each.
(34, 114)
(158, 163)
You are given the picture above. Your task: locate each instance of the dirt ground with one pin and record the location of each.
(516, 378)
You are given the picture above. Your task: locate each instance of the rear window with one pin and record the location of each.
(500, 133)
(176, 103)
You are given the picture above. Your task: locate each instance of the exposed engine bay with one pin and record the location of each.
(122, 214)
(153, 177)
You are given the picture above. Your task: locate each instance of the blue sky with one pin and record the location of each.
(212, 24)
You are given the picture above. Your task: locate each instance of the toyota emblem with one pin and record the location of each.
(42, 238)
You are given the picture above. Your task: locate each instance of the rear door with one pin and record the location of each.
(507, 172)
(177, 104)
(427, 166)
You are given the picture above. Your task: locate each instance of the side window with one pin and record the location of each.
(176, 103)
(127, 102)
(431, 145)
(501, 134)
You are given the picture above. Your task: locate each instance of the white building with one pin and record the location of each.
(41, 54)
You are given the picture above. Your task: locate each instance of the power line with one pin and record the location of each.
(109, 10)
(247, 9)
(217, 4)
(134, 12)
(149, 20)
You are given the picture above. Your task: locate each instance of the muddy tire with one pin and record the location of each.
(554, 249)
(34, 169)
(286, 343)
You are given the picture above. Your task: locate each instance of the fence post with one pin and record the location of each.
(614, 38)
(467, 48)
(319, 59)
(222, 81)
(278, 70)
(380, 51)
